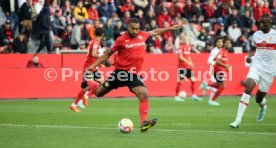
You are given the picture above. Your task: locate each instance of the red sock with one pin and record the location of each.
(93, 86)
(219, 90)
(214, 85)
(79, 97)
(193, 87)
(143, 110)
(177, 89)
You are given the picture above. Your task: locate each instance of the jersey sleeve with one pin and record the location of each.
(116, 45)
(212, 56)
(146, 35)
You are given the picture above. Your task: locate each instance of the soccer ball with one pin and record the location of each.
(125, 125)
(182, 94)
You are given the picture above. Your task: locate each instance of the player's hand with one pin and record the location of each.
(175, 27)
(228, 67)
(248, 60)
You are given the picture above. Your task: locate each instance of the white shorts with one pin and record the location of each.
(264, 80)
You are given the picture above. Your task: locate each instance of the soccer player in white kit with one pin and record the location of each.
(262, 69)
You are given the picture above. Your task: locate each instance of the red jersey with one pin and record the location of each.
(94, 44)
(223, 56)
(185, 50)
(130, 51)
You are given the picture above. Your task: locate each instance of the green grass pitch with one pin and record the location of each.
(50, 124)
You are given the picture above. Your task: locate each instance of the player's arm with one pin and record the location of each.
(218, 61)
(100, 60)
(211, 58)
(250, 54)
(159, 31)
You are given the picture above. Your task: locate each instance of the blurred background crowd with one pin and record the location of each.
(31, 26)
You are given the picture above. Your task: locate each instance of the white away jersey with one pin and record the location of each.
(211, 59)
(264, 59)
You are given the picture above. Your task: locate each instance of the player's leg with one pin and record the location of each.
(193, 82)
(218, 86)
(262, 103)
(81, 93)
(250, 84)
(142, 93)
(177, 90)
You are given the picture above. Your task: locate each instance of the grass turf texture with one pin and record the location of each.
(50, 123)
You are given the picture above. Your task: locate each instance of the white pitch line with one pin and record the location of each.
(160, 130)
(190, 124)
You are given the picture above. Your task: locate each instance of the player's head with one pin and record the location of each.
(99, 32)
(219, 42)
(133, 27)
(35, 58)
(227, 43)
(265, 23)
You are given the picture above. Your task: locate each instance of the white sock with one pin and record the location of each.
(242, 106)
(213, 92)
(262, 103)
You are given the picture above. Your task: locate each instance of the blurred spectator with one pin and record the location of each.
(168, 34)
(247, 21)
(175, 10)
(37, 8)
(258, 11)
(128, 6)
(6, 34)
(80, 12)
(106, 10)
(192, 35)
(69, 18)
(209, 11)
(272, 6)
(54, 7)
(59, 23)
(140, 4)
(25, 17)
(247, 7)
(76, 35)
(5, 49)
(85, 33)
(227, 44)
(266, 9)
(234, 31)
(221, 31)
(191, 12)
(234, 17)
(66, 37)
(93, 13)
(109, 32)
(177, 32)
(203, 36)
(164, 16)
(152, 25)
(66, 8)
(153, 6)
(34, 63)
(126, 19)
(20, 44)
(118, 29)
(140, 16)
(150, 16)
(43, 28)
(223, 11)
(11, 8)
(242, 42)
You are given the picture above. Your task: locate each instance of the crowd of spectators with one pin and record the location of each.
(71, 23)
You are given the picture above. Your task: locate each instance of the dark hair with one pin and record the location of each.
(264, 16)
(134, 20)
(99, 31)
(218, 38)
(227, 39)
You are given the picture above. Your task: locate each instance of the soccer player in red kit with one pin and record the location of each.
(185, 68)
(221, 68)
(92, 56)
(130, 48)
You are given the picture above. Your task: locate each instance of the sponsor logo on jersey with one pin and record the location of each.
(127, 46)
